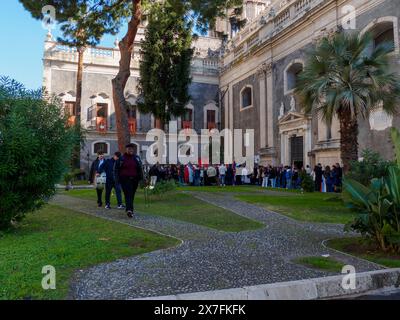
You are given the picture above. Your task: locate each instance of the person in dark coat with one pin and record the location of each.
(96, 170)
(318, 177)
(229, 175)
(129, 172)
(109, 168)
(338, 172)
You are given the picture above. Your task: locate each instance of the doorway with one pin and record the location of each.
(297, 151)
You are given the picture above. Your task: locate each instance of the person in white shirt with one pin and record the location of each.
(222, 174)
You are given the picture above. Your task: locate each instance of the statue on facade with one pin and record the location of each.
(281, 110)
(292, 104)
(272, 13)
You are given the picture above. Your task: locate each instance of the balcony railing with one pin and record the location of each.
(287, 13)
(71, 121)
(211, 125)
(101, 124)
(187, 125)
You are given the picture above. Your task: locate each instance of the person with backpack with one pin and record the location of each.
(129, 172)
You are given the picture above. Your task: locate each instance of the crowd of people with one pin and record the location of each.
(328, 179)
(123, 173)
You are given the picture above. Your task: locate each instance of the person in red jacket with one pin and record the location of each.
(129, 172)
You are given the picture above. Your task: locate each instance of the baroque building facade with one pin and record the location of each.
(261, 64)
(244, 76)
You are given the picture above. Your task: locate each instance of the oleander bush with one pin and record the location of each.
(35, 149)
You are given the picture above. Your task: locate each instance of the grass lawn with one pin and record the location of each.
(234, 189)
(322, 263)
(186, 208)
(313, 207)
(218, 189)
(68, 241)
(361, 248)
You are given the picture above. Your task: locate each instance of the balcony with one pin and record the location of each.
(187, 125)
(71, 121)
(211, 125)
(132, 126)
(101, 124)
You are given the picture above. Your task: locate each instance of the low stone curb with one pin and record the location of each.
(311, 289)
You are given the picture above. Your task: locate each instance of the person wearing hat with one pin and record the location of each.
(129, 172)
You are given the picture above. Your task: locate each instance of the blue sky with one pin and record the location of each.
(22, 39)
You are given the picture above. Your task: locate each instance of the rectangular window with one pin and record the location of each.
(102, 110)
(90, 114)
(211, 116)
(188, 115)
(131, 111)
(70, 108)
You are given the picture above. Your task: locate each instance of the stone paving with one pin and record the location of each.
(207, 259)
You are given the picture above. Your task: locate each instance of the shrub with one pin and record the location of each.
(35, 147)
(379, 205)
(372, 166)
(162, 188)
(307, 183)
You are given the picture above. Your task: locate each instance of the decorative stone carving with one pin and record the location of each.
(116, 43)
(263, 20)
(272, 13)
(213, 53)
(281, 111)
(292, 104)
(264, 70)
(49, 36)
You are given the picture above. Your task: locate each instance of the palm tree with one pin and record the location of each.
(346, 76)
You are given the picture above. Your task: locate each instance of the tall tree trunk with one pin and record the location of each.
(79, 77)
(348, 139)
(78, 107)
(119, 82)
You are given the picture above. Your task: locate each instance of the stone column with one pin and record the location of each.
(270, 107)
(307, 145)
(231, 108)
(263, 107)
(226, 107)
(284, 148)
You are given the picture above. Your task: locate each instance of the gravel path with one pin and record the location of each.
(207, 259)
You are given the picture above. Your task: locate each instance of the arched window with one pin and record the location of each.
(246, 97)
(291, 76)
(100, 147)
(70, 110)
(384, 34)
(97, 114)
(187, 118)
(384, 31)
(210, 116)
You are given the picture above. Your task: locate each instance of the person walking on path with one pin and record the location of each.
(109, 168)
(96, 170)
(129, 170)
